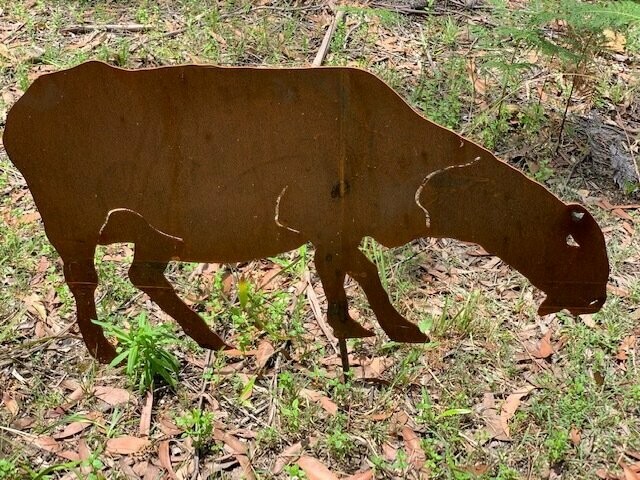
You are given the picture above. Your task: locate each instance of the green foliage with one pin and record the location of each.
(143, 349)
(198, 425)
(543, 171)
(440, 93)
(268, 437)
(291, 413)
(295, 472)
(339, 443)
(583, 24)
(255, 312)
(448, 322)
(557, 444)
(8, 470)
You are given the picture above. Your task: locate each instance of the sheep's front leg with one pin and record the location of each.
(332, 272)
(398, 328)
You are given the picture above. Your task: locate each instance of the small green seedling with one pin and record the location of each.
(198, 425)
(143, 348)
(8, 469)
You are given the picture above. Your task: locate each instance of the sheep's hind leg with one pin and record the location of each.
(153, 251)
(149, 277)
(82, 279)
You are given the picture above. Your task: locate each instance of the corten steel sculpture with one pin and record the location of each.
(209, 164)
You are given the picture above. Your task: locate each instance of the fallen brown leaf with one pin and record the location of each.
(145, 415)
(247, 468)
(628, 473)
(318, 397)
(85, 453)
(628, 343)
(76, 427)
(389, 452)
(366, 475)
(236, 447)
(264, 352)
(492, 420)
(126, 445)
(112, 395)
(286, 457)
(373, 369)
(543, 349)
(165, 458)
(510, 406)
(169, 428)
(575, 436)
(49, 444)
(315, 469)
(10, 404)
(615, 41)
(417, 456)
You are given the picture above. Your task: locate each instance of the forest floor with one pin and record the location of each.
(497, 393)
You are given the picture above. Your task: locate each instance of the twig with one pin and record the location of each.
(634, 160)
(315, 308)
(274, 389)
(203, 388)
(109, 27)
(326, 41)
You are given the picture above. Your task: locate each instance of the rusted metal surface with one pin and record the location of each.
(208, 164)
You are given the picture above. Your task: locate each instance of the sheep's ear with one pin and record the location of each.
(580, 223)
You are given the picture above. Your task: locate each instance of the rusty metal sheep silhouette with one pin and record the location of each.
(210, 164)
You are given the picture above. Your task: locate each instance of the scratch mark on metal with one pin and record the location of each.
(429, 177)
(277, 215)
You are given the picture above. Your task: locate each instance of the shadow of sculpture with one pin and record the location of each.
(209, 164)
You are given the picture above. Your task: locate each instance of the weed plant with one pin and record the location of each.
(198, 425)
(143, 349)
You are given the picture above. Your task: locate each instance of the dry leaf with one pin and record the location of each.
(417, 456)
(286, 457)
(51, 445)
(85, 453)
(628, 473)
(126, 445)
(35, 306)
(145, 415)
(477, 469)
(373, 369)
(315, 469)
(628, 343)
(165, 458)
(389, 452)
(264, 353)
(510, 406)
(247, 468)
(325, 402)
(366, 475)
(492, 419)
(575, 436)
(479, 85)
(111, 395)
(169, 428)
(29, 217)
(236, 447)
(543, 349)
(76, 427)
(615, 41)
(23, 423)
(10, 404)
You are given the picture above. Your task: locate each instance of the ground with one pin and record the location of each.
(497, 393)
